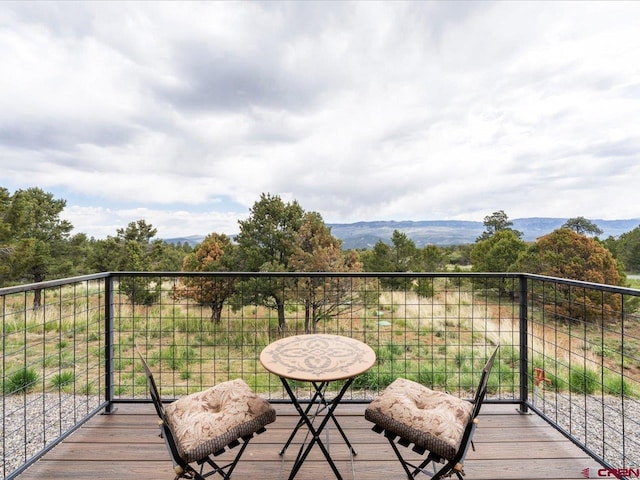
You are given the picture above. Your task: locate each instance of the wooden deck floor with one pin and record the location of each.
(126, 445)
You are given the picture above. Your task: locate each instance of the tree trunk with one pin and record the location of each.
(314, 317)
(37, 299)
(307, 317)
(281, 320)
(216, 312)
(38, 276)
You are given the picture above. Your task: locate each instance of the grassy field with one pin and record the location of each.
(441, 341)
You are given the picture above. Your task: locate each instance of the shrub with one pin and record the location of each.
(62, 379)
(583, 380)
(367, 381)
(140, 291)
(178, 357)
(425, 377)
(388, 352)
(86, 389)
(617, 385)
(20, 381)
(459, 359)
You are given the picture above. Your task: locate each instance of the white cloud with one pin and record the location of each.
(360, 111)
(101, 222)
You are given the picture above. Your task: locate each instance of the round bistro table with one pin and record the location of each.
(318, 359)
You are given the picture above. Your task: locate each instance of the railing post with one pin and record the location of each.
(108, 344)
(524, 347)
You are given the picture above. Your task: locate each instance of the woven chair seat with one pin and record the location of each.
(208, 421)
(429, 419)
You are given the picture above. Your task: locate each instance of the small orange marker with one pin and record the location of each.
(540, 377)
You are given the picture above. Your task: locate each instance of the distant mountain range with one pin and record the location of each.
(443, 232)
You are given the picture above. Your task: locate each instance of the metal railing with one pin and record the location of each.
(583, 344)
(569, 350)
(53, 370)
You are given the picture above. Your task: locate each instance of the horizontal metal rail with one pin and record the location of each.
(569, 349)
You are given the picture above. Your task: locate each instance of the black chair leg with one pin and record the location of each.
(413, 471)
(224, 471)
(410, 476)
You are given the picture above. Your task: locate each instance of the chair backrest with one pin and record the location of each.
(167, 434)
(481, 391)
(153, 388)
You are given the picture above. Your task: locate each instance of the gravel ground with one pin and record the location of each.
(616, 439)
(25, 431)
(582, 416)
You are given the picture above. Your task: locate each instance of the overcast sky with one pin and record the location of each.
(184, 113)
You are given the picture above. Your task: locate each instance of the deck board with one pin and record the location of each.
(126, 444)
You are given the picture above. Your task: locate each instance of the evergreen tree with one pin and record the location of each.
(35, 237)
(582, 226)
(495, 223)
(497, 253)
(265, 244)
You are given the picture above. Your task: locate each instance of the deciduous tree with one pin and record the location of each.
(566, 254)
(316, 250)
(214, 254)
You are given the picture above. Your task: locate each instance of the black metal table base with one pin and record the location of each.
(319, 400)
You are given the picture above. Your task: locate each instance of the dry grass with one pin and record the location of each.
(65, 333)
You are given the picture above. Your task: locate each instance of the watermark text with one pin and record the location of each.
(611, 473)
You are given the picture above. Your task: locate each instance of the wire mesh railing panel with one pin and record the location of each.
(198, 330)
(52, 368)
(69, 346)
(585, 376)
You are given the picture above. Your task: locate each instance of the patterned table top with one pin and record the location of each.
(317, 357)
